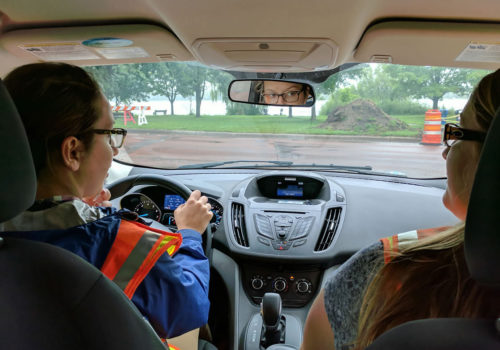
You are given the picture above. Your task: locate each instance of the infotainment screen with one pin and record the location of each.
(290, 189)
(172, 201)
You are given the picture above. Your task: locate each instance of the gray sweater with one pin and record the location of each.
(345, 290)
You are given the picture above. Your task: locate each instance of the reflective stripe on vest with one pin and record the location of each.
(135, 251)
(393, 243)
(169, 346)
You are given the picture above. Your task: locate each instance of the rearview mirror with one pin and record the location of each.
(272, 92)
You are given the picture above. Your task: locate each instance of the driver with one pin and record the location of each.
(69, 124)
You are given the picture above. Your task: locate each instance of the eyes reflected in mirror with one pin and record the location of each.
(272, 93)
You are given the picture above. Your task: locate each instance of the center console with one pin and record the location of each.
(287, 218)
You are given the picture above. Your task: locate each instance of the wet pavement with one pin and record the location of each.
(173, 149)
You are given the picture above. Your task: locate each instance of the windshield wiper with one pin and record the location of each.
(366, 169)
(216, 164)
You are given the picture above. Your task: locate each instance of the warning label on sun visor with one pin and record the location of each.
(122, 52)
(66, 51)
(480, 52)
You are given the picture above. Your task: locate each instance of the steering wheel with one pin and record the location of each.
(122, 186)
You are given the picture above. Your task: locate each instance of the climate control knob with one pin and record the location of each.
(303, 286)
(257, 283)
(280, 284)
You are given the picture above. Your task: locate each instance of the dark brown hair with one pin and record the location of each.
(54, 100)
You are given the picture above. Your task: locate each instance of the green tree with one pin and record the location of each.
(341, 97)
(122, 83)
(167, 79)
(196, 80)
(430, 82)
(219, 82)
(336, 81)
(379, 85)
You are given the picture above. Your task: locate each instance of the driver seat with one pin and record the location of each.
(482, 255)
(49, 297)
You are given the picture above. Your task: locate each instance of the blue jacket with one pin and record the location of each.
(174, 294)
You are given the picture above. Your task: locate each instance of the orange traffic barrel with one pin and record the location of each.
(432, 128)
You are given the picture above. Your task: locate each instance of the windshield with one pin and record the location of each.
(369, 118)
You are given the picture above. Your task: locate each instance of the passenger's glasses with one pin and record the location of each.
(453, 132)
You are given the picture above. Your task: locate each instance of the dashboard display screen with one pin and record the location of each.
(172, 201)
(290, 189)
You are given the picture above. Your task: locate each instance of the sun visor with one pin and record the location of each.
(96, 45)
(267, 54)
(472, 45)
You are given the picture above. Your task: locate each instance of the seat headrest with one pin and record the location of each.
(482, 228)
(17, 178)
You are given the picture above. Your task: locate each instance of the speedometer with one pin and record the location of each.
(146, 208)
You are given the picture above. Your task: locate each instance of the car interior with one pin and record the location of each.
(281, 225)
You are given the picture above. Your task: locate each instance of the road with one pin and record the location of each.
(173, 149)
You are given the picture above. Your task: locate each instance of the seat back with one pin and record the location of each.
(49, 297)
(482, 254)
(18, 171)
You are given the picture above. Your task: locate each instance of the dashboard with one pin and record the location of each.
(287, 231)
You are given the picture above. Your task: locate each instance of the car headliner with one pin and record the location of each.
(409, 32)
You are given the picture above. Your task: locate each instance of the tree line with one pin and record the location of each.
(386, 85)
(138, 82)
(396, 89)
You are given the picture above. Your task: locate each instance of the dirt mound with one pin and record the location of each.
(362, 115)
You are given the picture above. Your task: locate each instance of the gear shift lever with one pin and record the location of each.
(273, 323)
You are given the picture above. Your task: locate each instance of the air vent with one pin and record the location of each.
(238, 223)
(329, 229)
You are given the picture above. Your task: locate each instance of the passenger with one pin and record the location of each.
(283, 93)
(69, 124)
(379, 287)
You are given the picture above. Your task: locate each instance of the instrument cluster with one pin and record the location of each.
(161, 206)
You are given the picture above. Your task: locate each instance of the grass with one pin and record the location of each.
(265, 124)
(416, 121)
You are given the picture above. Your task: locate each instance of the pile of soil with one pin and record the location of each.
(363, 116)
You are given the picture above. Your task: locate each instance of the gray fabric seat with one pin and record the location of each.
(50, 298)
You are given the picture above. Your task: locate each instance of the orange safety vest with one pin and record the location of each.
(392, 243)
(171, 347)
(135, 251)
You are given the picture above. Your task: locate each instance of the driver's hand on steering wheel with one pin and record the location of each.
(195, 214)
(99, 200)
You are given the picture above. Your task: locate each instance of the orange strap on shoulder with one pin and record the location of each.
(390, 247)
(169, 346)
(393, 243)
(135, 251)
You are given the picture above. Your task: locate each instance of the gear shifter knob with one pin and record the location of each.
(270, 308)
(273, 323)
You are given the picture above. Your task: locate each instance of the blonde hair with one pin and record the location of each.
(429, 278)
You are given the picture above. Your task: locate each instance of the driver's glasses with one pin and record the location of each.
(116, 136)
(289, 96)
